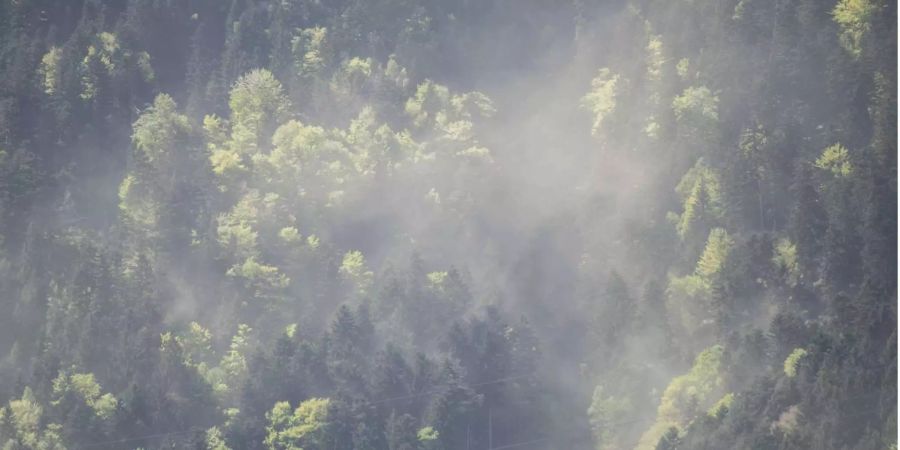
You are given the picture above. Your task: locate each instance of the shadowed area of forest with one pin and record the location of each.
(448, 224)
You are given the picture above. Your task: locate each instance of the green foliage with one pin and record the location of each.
(703, 205)
(197, 344)
(50, 70)
(352, 78)
(655, 58)
(226, 162)
(23, 427)
(433, 105)
(721, 407)
(671, 440)
(162, 139)
(427, 102)
(257, 103)
(215, 440)
(785, 260)
(235, 229)
(289, 235)
(302, 427)
(26, 415)
(234, 362)
(690, 296)
(697, 113)
(687, 395)
(86, 388)
(311, 52)
(793, 361)
(160, 131)
(605, 412)
(835, 159)
(683, 67)
(696, 103)
(313, 128)
(353, 269)
(601, 100)
(714, 256)
(135, 201)
(427, 434)
(107, 59)
(855, 19)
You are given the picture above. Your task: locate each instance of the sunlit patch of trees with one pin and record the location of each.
(420, 225)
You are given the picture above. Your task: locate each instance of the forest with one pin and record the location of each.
(448, 224)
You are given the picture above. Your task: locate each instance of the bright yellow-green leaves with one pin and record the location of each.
(396, 73)
(290, 235)
(683, 68)
(437, 280)
(793, 361)
(602, 98)
(24, 415)
(293, 429)
(258, 104)
(698, 102)
(106, 57)
(605, 411)
(785, 260)
(350, 80)
(136, 201)
(226, 162)
(160, 131)
(194, 347)
(835, 159)
(696, 286)
(854, 17)
(264, 279)
(215, 440)
(49, 70)
(307, 154)
(703, 205)
(427, 434)
(235, 229)
(159, 135)
(311, 51)
(234, 363)
(434, 105)
(275, 174)
(655, 58)
(375, 148)
(689, 295)
(307, 161)
(697, 113)
(102, 58)
(721, 407)
(715, 254)
(312, 168)
(696, 390)
(353, 269)
(86, 388)
(429, 98)
(197, 344)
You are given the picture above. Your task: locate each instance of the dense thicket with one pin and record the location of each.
(448, 224)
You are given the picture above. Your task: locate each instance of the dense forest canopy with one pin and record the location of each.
(448, 224)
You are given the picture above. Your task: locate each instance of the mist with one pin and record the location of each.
(442, 224)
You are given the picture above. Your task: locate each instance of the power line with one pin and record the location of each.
(139, 438)
(519, 444)
(384, 400)
(435, 391)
